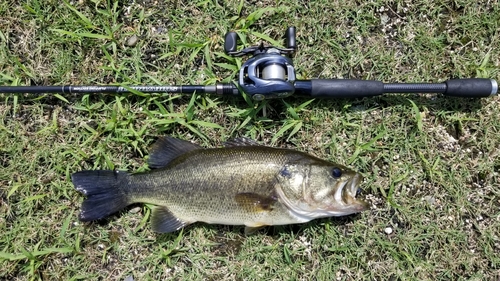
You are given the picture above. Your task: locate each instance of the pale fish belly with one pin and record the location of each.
(278, 214)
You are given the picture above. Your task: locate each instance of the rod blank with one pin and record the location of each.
(317, 88)
(221, 89)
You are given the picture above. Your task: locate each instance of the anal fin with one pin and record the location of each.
(163, 221)
(249, 230)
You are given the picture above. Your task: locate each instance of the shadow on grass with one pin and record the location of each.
(229, 240)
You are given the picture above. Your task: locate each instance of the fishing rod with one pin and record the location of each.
(269, 74)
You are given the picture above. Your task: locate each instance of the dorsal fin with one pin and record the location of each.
(241, 142)
(166, 149)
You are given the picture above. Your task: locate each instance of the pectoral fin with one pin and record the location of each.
(163, 221)
(253, 202)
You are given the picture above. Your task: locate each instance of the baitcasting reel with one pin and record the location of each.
(269, 73)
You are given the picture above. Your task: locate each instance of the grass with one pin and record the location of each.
(431, 163)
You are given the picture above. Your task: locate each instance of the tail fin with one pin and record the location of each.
(104, 191)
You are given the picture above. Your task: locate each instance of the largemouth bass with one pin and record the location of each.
(242, 183)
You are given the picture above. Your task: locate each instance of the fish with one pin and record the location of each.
(241, 183)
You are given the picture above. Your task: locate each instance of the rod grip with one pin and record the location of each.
(345, 88)
(471, 87)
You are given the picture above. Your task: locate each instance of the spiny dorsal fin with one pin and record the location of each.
(163, 221)
(241, 142)
(166, 149)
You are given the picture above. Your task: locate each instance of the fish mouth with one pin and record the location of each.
(351, 190)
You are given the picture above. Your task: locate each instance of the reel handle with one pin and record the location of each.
(231, 45)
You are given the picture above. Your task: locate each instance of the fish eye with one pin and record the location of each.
(358, 192)
(336, 173)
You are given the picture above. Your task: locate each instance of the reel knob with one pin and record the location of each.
(230, 42)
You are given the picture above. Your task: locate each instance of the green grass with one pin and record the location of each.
(430, 163)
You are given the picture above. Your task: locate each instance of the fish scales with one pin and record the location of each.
(203, 186)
